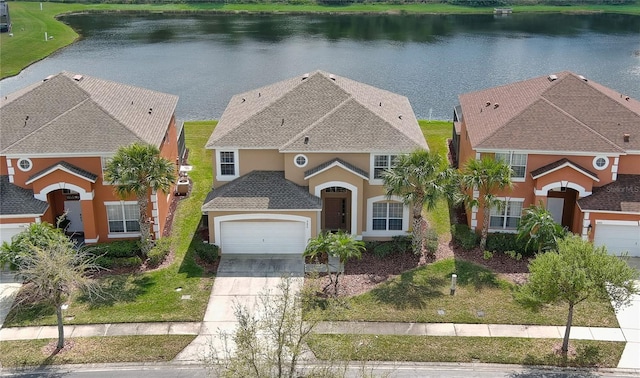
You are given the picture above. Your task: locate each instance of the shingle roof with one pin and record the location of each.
(82, 115)
(66, 166)
(335, 113)
(559, 163)
(331, 162)
(568, 113)
(259, 190)
(15, 200)
(620, 195)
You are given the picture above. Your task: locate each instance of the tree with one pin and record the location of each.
(139, 169)
(538, 227)
(487, 176)
(578, 271)
(52, 268)
(39, 235)
(339, 245)
(420, 178)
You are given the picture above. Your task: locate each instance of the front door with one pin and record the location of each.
(555, 207)
(335, 214)
(74, 215)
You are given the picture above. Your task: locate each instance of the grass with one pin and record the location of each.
(88, 350)
(28, 45)
(417, 295)
(500, 350)
(151, 296)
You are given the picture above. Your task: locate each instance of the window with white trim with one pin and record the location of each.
(25, 164)
(123, 218)
(227, 165)
(506, 217)
(382, 163)
(517, 162)
(387, 216)
(600, 162)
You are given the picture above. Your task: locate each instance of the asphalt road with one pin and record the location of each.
(387, 370)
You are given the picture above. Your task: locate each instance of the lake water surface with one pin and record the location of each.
(205, 59)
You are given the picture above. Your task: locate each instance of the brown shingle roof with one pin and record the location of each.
(565, 114)
(15, 200)
(559, 163)
(336, 113)
(89, 115)
(620, 195)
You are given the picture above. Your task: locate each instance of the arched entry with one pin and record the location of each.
(339, 206)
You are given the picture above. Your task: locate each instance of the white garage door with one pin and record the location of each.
(8, 230)
(263, 237)
(619, 238)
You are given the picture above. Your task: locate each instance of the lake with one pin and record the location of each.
(205, 59)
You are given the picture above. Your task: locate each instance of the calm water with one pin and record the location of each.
(205, 59)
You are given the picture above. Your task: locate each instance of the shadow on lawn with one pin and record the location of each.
(121, 288)
(471, 274)
(411, 291)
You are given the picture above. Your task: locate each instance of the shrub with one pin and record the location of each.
(503, 242)
(402, 243)
(383, 249)
(463, 236)
(487, 255)
(398, 244)
(431, 241)
(105, 262)
(159, 252)
(121, 248)
(127, 262)
(207, 252)
(514, 255)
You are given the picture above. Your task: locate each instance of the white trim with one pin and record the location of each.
(617, 222)
(11, 170)
(295, 160)
(84, 195)
(27, 160)
(598, 157)
(9, 163)
(503, 230)
(11, 179)
(567, 164)
(123, 235)
(614, 212)
(236, 165)
(62, 155)
(585, 226)
(614, 168)
(205, 211)
(354, 199)
(560, 153)
(558, 184)
(270, 216)
(504, 214)
(336, 164)
(478, 152)
(55, 168)
(13, 216)
(14, 225)
(120, 203)
(92, 241)
(405, 217)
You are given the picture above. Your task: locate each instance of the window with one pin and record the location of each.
(25, 165)
(506, 217)
(600, 162)
(381, 163)
(104, 160)
(517, 162)
(387, 216)
(227, 165)
(123, 218)
(300, 161)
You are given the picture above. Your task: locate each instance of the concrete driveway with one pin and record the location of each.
(240, 281)
(9, 287)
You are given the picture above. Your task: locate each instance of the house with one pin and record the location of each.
(57, 136)
(572, 144)
(303, 156)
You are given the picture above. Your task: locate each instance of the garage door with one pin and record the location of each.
(619, 238)
(8, 230)
(262, 237)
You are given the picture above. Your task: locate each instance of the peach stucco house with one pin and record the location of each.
(57, 135)
(572, 144)
(305, 155)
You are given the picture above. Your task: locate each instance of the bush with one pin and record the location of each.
(159, 252)
(398, 244)
(105, 262)
(207, 252)
(503, 242)
(117, 249)
(383, 249)
(464, 237)
(127, 262)
(431, 241)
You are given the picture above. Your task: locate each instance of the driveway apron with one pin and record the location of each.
(9, 287)
(241, 279)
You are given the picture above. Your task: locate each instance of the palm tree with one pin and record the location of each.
(487, 176)
(420, 178)
(341, 245)
(539, 228)
(139, 169)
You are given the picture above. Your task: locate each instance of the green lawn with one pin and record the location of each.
(91, 350)
(151, 296)
(417, 295)
(30, 23)
(501, 350)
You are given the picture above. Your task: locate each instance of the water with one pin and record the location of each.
(205, 59)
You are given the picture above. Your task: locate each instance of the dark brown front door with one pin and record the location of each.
(335, 216)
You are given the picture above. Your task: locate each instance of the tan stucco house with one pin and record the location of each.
(305, 155)
(55, 138)
(572, 143)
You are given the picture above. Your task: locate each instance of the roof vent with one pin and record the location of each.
(626, 137)
(305, 76)
(495, 106)
(627, 98)
(380, 103)
(552, 78)
(150, 110)
(582, 78)
(244, 99)
(332, 77)
(488, 103)
(306, 140)
(400, 116)
(47, 78)
(77, 77)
